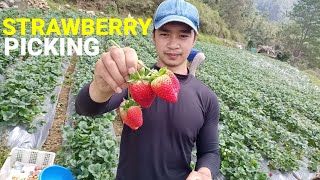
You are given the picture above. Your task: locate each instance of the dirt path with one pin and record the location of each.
(117, 126)
(54, 139)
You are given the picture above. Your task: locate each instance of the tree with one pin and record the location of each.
(306, 15)
(305, 31)
(236, 13)
(260, 30)
(275, 9)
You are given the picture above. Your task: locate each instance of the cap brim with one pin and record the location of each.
(175, 18)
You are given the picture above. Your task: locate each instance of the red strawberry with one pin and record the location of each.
(142, 93)
(174, 80)
(131, 115)
(164, 88)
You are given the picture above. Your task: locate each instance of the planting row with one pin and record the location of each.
(269, 110)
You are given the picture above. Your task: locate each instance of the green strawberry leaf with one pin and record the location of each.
(162, 71)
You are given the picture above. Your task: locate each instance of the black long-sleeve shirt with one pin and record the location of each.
(161, 148)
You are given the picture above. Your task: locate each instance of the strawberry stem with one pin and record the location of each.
(114, 43)
(128, 94)
(138, 75)
(147, 68)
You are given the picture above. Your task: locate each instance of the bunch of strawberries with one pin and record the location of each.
(144, 86)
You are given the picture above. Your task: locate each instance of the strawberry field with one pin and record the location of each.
(269, 121)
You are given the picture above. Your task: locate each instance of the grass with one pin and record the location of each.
(4, 150)
(215, 40)
(57, 4)
(313, 76)
(4, 153)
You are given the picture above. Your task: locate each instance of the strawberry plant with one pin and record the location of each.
(25, 88)
(96, 156)
(89, 149)
(269, 110)
(28, 80)
(273, 107)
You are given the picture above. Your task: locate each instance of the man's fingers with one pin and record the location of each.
(193, 176)
(117, 54)
(139, 66)
(103, 72)
(115, 66)
(112, 68)
(114, 73)
(112, 47)
(124, 86)
(131, 60)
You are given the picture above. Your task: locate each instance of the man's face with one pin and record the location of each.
(173, 42)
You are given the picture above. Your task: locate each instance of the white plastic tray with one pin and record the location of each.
(39, 158)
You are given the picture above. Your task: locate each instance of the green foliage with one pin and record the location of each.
(259, 118)
(260, 30)
(275, 9)
(269, 110)
(238, 37)
(284, 56)
(210, 21)
(145, 8)
(236, 13)
(30, 80)
(215, 40)
(306, 13)
(24, 90)
(210, 39)
(302, 34)
(251, 44)
(313, 76)
(6, 61)
(112, 9)
(89, 149)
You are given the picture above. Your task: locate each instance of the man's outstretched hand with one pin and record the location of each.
(201, 174)
(111, 73)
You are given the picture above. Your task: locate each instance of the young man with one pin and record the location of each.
(161, 148)
(195, 58)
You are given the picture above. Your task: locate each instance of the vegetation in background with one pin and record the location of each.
(314, 77)
(210, 21)
(275, 10)
(269, 110)
(89, 149)
(242, 21)
(302, 34)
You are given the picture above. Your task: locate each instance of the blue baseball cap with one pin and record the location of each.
(176, 10)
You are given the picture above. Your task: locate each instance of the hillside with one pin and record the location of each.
(269, 110)
(275, 9)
